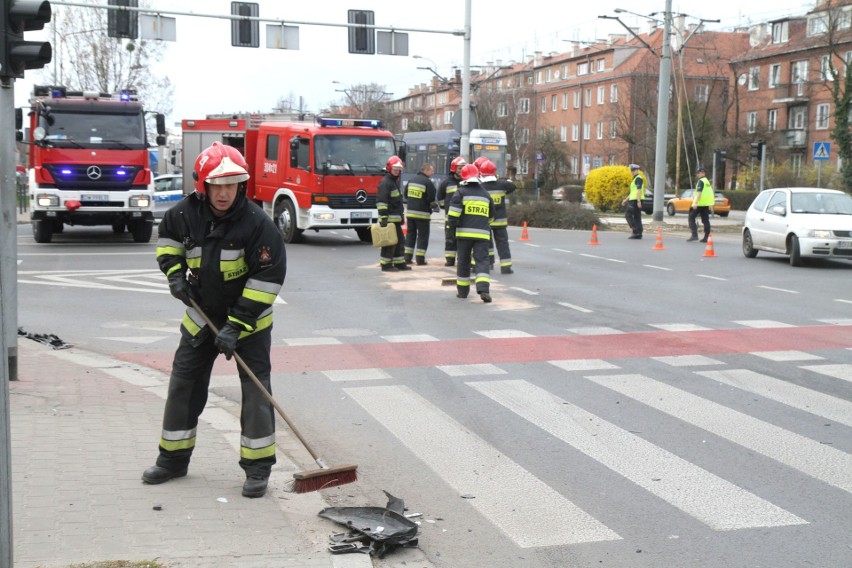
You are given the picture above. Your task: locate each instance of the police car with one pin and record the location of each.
(168, 190)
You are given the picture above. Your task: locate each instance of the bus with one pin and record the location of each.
(441, 147)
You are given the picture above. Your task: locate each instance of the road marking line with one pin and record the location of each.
(656, 267)
(408, 338)
(808, 456)
(719, 504)
(563, 250)
(584, 364)
(687, 360)
(300, 341)
(843, 301)
(471, 370)
(712, 277)
(836, 321)
(595, 330)
(577, 308)
(505, 493)
(843, 372)
(678, 327)
(786, 355)
(603, 258)
(774, 289)
(532, 245)
(801, 398)
(356, 375)
(502, 333)
(524, 291)
(763, 324)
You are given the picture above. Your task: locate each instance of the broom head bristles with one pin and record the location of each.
(316, 479)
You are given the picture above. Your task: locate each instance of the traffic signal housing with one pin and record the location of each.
(16, 54)
(757, 150)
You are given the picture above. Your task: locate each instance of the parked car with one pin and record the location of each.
(801, 222)
(683, 202)
(168, 190)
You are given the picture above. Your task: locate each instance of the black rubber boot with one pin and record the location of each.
(692, 238)
(255, 486)
(155, 475)
(388, 268)
(506, 270)
(486, 297)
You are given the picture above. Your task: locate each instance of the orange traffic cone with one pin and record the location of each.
(525, 236)
(708, 250)
(659, 244)
(594, 240)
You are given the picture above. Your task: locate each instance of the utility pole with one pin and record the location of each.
(464, 143)
(663, 116)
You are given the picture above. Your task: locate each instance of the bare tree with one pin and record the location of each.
(838, 70)
(86, 58)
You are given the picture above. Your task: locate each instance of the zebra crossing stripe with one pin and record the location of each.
(715, 502)
(792, 395)
(808, 456)
(508, 495)
(842, 372)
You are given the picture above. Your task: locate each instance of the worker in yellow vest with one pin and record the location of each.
(702, 200)
(633, 202)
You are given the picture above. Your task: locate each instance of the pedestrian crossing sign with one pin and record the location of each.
(822, 150)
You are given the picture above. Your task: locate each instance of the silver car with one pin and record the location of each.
(801, 222)
(168, 190)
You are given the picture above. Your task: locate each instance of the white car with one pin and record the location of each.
(168, 190)
(801, 222)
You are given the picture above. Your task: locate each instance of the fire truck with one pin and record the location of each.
(306, 175)
(88, 162)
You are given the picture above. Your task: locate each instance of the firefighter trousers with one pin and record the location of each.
(450, 246)
(478, 249)
(187, 396)
(394, 254)
(500, 236)
(417, 239)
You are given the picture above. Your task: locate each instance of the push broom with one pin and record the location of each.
(304, 481)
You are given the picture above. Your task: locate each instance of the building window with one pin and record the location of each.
(601, 95)
(575, 132)
(753, 78)
(525, 136)
(547, 76)
(774, 74)
(564, 101)
(601, 64)
(575, 163)
(613, 93)
(613, 129)
(822, 116)
(587, 131)
(405, 124)
(538, 78)
(587, 96)
(576, 99)
(544, 104)
(564, 70)
(582, 69)
(702, 93)
(817, 23)
(799, 72)
(751, 122)
(779, 32)
(798, 116)
(502, 110)
(600, 130)
(844, 19)
(554, 105)
(524, 106)
(772, 120)
(525, 167)
(563, 133)
(448, 117)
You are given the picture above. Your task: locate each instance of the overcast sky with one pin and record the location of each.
(210, 76)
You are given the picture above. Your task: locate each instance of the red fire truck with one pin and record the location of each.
(88, 162)
(306, 175)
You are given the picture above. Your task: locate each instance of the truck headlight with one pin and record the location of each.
(47, 200)
(141, 201)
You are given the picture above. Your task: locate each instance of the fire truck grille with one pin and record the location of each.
(350, 202)
(93, 176)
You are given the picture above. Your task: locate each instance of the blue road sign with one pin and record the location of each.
(822, 151)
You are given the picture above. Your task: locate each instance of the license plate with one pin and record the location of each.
(94, 197)
(361, 214)
(844, 244)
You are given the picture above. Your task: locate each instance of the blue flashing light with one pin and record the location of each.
(121, 172)
(350, 122)
(65, 171)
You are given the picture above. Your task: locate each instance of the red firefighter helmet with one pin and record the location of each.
(488, 168)
(469, 173)
(394, 162)
(457, 163)
(219, 165)
(479, 161)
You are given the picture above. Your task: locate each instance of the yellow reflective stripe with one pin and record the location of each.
(257, 454)
(470, 233)
(193, 262)
(177, 266)
(247, 329)
(258, 296)
(418, 215)
(190, 325)
(169, 251)
(233, 269)
(177, 445)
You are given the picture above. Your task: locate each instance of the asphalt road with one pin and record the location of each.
(616, 405)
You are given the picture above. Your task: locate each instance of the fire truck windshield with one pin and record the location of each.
(64, 128)
(351, 154)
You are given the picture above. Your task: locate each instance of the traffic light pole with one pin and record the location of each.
(8, 308)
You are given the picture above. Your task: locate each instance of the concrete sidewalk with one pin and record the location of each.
(85, 426)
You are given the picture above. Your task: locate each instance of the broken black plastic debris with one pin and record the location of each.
(380, 529)
(47, 339)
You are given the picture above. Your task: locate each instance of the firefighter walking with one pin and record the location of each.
(420, 202)
(446, 189)
(470, 218)
(222, 251)
(390, 206)
(498, 189)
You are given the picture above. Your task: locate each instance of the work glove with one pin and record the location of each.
(383, 222)
(226, 341)
(180, 287)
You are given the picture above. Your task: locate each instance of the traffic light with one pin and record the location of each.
(17, 55)
(361, 38)
(245, 32)
(757, 150)
(123, 23)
